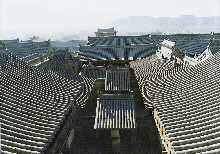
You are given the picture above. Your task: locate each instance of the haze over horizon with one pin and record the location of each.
(79, 18)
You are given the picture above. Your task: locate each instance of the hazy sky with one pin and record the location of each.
(62, 16)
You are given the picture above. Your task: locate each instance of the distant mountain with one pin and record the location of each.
(182, 24)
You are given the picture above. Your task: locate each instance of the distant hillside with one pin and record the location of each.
(182, 24)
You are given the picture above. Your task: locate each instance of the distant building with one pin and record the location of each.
(106, 32)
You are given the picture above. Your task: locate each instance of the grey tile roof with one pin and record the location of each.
(188, 107)
(115, 111)
(215, 46)
(118, 80)
(27, 48)
(34, 104)
(193, 47)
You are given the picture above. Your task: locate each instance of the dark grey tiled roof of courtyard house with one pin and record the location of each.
(118, 80)
(193, 47)
(115, 111)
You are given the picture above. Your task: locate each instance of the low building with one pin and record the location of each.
(115, 112)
